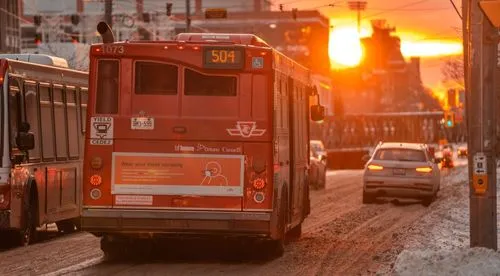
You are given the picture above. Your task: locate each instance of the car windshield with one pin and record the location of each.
(400, 155)
(316, 147)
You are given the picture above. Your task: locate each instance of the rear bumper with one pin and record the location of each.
(399, 187)
(109, 221)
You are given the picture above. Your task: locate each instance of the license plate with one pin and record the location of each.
(399, 171)
(142, 123)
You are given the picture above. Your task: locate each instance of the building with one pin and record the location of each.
(304, 38)
(130, 17)
(384, 80)
(10, 32)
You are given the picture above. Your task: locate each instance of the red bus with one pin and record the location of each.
(207, 134)
(41, 144)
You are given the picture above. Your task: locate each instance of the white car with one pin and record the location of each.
(403, 170)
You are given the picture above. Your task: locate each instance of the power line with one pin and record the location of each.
(455, 7)
(396, 8)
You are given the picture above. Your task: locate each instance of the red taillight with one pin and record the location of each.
(4, 196)
(375, 167)
(259, 183)
(95, 180)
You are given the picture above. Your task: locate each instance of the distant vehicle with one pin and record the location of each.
(462, 152)
(184, 139)
(404, 170)
(42, 129)
(318, 166)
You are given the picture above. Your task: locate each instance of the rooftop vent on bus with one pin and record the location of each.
(244, 39)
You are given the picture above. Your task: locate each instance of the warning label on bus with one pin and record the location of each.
(101, 131)
(177, 174)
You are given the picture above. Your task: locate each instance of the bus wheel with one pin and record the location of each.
(277, 247)
(112, 250)
(295, 233)
(27, 234)
(66, 226)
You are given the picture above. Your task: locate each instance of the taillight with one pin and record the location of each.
(95, 180)
(4, 196)
(424, 170)
(259, 183)
(375, 167)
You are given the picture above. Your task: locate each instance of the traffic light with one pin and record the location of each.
(37, 19)
(38, 38)
(449, 119)
(169, 9)
(281, 7)
(75, 19)
(294, 13)
(145, 17)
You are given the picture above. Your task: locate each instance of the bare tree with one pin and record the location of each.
(453, 70)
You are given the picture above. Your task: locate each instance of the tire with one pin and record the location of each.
(295, 233)
(28, 234)
(276, 248)
(367, 199)
(323, 179)
(66, 226)
(429, 200)
(113, 250)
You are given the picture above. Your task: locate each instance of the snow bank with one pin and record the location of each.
(469, 261)
(439, 243)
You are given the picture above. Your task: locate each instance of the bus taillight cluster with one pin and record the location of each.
(4, 196)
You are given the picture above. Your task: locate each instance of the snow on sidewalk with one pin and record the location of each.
(439, 243)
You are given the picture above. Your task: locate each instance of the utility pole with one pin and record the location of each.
(188, 16)
(108, 12)
(480, 41)
(357, 6)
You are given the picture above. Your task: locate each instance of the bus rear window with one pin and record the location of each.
(197, 84)
(153, 78)
(107, 87)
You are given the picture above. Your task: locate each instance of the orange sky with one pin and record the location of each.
(425, 26)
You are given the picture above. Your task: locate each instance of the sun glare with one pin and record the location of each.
(344, 47)
(430, 49)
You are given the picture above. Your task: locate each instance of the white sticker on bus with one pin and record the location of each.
(134, 200)
(101, 131)
(142, 123)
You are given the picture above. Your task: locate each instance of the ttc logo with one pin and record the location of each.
(246, 130)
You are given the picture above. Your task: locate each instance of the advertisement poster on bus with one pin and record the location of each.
(177, 174)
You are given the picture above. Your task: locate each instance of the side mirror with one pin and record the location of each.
(317, 113)
(25, 141)
(365, 158)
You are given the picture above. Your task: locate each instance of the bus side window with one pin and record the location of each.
(108, 80)
(48, 137)
(60, 123)
(71, 114)
(84, 96)
(14, 112)
(32, 117)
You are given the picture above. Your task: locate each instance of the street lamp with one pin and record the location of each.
(491, 9)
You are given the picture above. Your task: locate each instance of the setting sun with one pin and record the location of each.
(345, 47)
